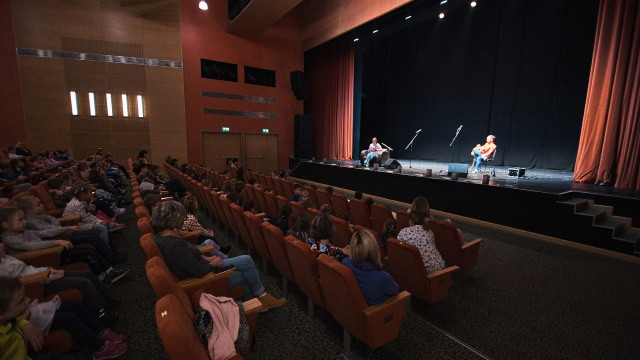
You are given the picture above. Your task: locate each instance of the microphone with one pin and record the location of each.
(388, 147)
(460, 128)
(418, 131)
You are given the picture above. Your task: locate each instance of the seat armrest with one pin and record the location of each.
(401, 298)
(35, 278)
(446, 272)
(215, 284)
(206, 249)
(469, 253)
(252, 306)
(69, 220)
(474, 243)
(41, 255)
(192, 236)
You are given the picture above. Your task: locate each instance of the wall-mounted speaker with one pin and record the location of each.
(299, 85)
(303, 137)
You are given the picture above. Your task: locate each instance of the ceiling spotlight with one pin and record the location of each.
(473, 4)
(407, 17)
(443, 2)
(203, 5)
(356, 39)
(441, 16)
(375, 31)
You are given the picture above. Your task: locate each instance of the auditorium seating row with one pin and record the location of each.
(58, 341)
(326, 282)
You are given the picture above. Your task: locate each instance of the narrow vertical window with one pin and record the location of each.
(125, 106)
(140, 107)
(74, 103)
(109, 105)
(92, 104)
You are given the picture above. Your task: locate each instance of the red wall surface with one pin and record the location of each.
(278, 48)
(12, 127)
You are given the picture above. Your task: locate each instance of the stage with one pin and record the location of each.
(543, 201)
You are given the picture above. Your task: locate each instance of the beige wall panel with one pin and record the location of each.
(150, 30)
(218, 146)
(261, 152)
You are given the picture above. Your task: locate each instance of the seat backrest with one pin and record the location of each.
(379, 215)
(144, 225)
(179, 337)
(341, 294)
(407, 267)
(304, 268)
(164, 283)
(238, 216)
(342, 236)
(249, 190)
(225, 205)
(261, 200)
(313, 213)
(340, 204)
(297, 208)
(270, 183)
(275, 241)
(360, 214)
(272, 204)
(137, 201)
(149, 246)
(447, 241)
(279, 189)
(281, 201)
(312, 195)
(253, 223)
(210, 194)
(142, 211)
(324, 198)
(403, 220)
(41, 193)
(218, 206)
(288, 188)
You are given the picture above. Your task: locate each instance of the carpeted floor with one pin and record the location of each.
(525, 299)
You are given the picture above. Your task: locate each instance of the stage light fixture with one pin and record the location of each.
(375, 31)
(203, 5)
(473, 4)
(443, 2)
(356, 39)
(441, 16)
(407, 17)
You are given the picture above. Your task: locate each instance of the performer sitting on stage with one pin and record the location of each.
(375, 150)
(483, 152)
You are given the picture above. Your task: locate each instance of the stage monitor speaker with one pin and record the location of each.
(391, 164)
(303, 137)
(299, 85)
(516, 172)
(461, 169)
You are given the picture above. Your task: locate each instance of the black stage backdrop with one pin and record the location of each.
(517, 69)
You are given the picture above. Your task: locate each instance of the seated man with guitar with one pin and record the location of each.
(375, 150)
(483, 152)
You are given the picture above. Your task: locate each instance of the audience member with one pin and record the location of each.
(419, 235)
(376, 285)
(322, 229)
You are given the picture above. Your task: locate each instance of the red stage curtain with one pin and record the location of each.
(609, 149)
(329, 75)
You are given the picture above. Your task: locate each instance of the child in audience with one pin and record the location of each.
(357, 195)
(282, 221)
(48, 158)
(17, 238)
(388, 231)
(57, 190)
(322, 229)
(300, 228)
(297, 193)
(325, 209)
(96, 296)
(71, 316)
(369, 202)
(238, 189)
(419, 235)
(191, 223)
(80, 205)
(227, 188)
(305, 201)
(376, 285)
(38, 220)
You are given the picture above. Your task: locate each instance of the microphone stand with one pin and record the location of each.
(411, 145)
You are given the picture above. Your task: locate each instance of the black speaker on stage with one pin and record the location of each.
(299, 85)
(391, 164)
(461, 169)
(303, 138)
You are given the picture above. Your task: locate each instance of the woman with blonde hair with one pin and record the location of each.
(376, 285)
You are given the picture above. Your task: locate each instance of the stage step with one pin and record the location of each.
(609, 231)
